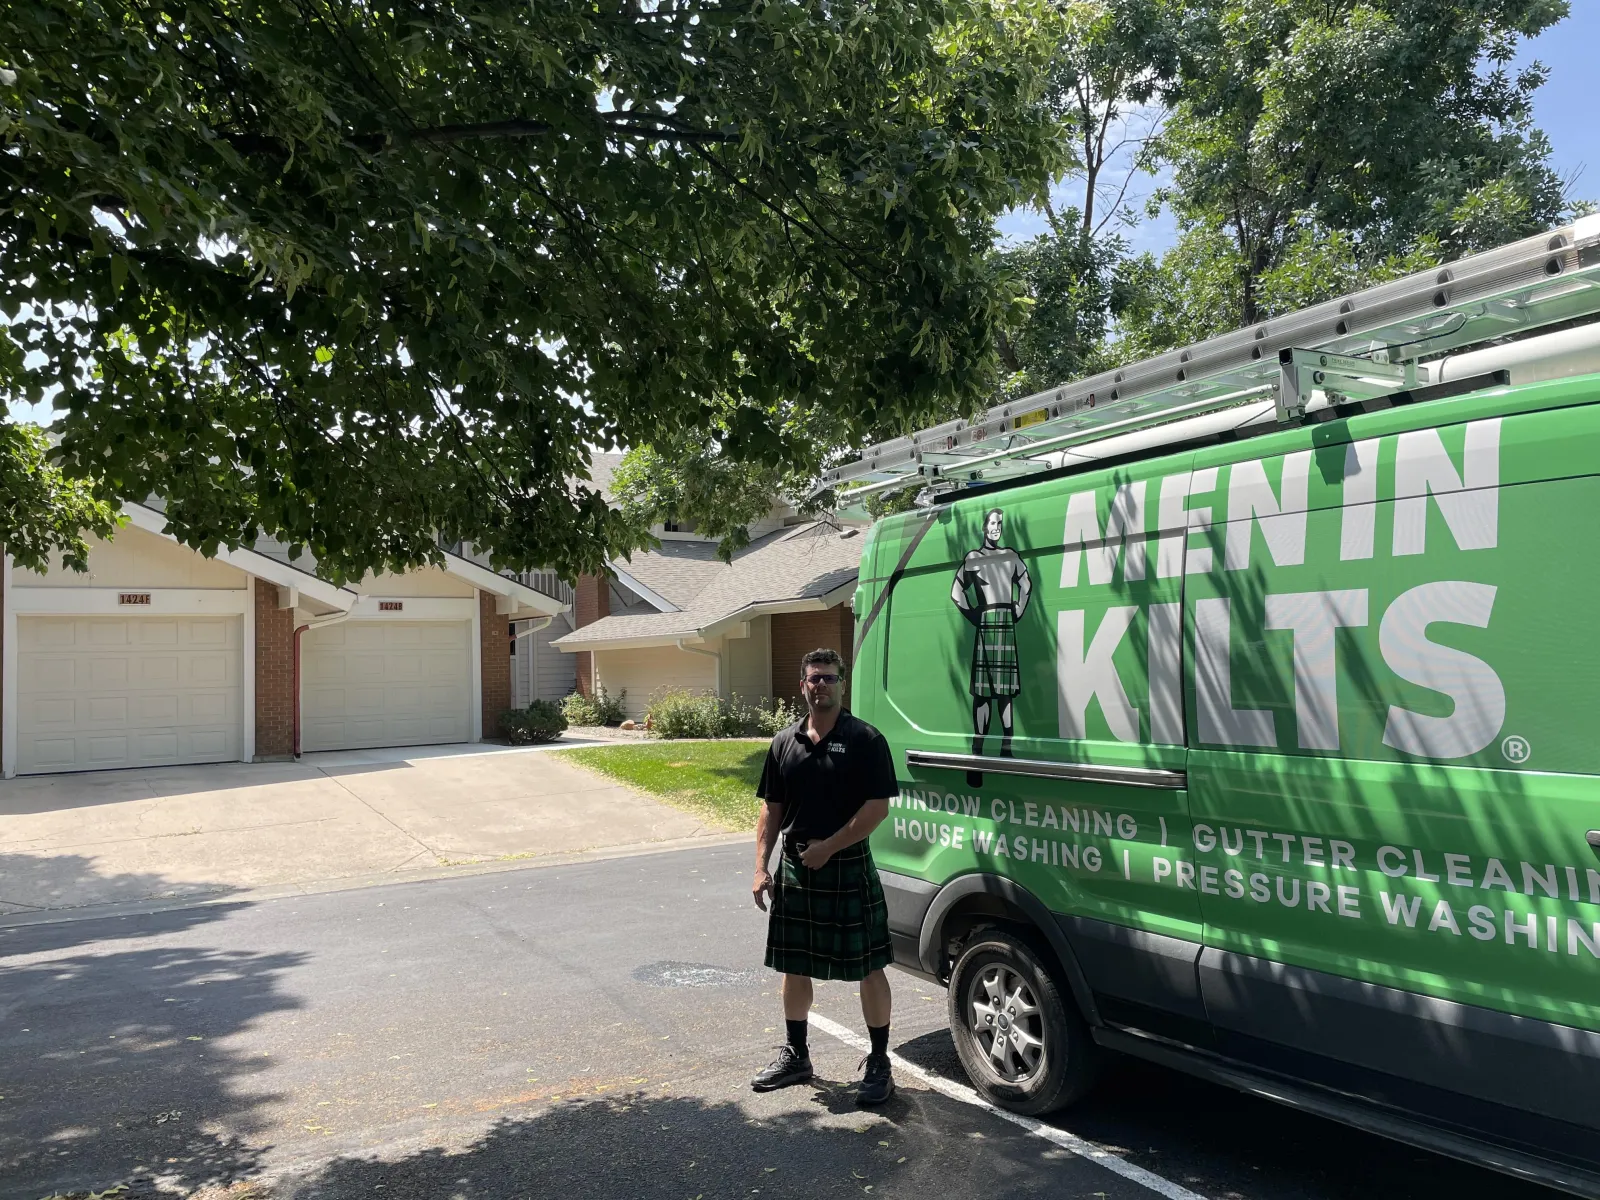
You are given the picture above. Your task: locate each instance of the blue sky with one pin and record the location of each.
(1567, 108)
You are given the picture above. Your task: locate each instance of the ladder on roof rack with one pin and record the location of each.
(1368, 344)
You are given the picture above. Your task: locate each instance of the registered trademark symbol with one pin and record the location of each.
(1516, 749)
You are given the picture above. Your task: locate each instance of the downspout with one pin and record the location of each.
(331, 620)
(712, 654)
(533, 667)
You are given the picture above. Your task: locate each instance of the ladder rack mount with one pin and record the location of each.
(1361, 346)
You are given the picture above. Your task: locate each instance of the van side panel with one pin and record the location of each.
(1047, 634)
(1394, 766)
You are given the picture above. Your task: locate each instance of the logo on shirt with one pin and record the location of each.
(835, 747)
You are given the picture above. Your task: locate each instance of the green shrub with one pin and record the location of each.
(611, 712)
(579, 710)
(541, 721)
(679, 713)
(683, 714)
(597, 710)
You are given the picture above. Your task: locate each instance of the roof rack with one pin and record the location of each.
(1368, 344)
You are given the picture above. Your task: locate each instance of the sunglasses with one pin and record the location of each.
(829, 679)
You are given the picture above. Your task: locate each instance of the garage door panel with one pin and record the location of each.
(97, 692)
(318, 670)
(159, 747)
(55, 710)
(209, 670)
(106, 671)
(155, 671)
(154, 708)
(104, 633)
(208, 633)
(397, 688)
(54, 754)
(157, 633)
(199, 711)
(101, 710)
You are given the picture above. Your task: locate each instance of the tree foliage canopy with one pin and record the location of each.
(1318, 145)
(365, 277)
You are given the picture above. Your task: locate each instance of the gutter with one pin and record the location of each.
(533, 674)
(711, 654)
(759, 608)
(329, 620)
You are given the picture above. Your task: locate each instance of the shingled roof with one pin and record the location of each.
(810, 566)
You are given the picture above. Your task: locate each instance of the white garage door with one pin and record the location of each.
(95, 692)
(385, 683)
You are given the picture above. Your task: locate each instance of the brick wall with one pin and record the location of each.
(274, 675)
(495, 652)
(591, 602)
(795, 634)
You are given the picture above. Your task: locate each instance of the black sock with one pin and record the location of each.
(880, 1038)
(797, 1036)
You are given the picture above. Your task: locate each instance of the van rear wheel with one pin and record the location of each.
(1020, 1038)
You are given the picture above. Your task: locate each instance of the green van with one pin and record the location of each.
(1270, 755)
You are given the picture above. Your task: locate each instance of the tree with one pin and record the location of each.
(1321, 145)
(366, 278)
(698, 486)
(1107, 62)
(1114, 60)
(1077, 284)
(40, 511)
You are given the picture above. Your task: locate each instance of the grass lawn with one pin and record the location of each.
(714, 780)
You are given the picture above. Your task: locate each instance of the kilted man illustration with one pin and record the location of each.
(991, 589)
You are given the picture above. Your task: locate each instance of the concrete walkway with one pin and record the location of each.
(331, 820)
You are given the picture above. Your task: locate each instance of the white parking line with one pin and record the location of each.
(1059, 1137)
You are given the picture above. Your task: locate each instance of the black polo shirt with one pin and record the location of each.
(821, 785)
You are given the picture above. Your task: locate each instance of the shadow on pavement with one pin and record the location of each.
(114, 1058)
(34, 794)
(1160, 1118)
(632, 1146)
(46, 881)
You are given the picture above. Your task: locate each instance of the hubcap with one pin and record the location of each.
(1006, 1023)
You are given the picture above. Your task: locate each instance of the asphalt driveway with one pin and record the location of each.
(331, 820)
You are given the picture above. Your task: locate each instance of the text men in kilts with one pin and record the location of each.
(826, 785)
(991, 589)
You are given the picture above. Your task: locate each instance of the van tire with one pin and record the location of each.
(1069, 1061)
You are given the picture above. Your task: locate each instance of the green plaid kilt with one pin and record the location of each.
(995, 673)
(832, 923)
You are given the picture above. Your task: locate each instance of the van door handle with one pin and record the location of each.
(1593, 838)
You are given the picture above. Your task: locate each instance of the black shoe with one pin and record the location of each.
(786, 1070)
(877, 1085)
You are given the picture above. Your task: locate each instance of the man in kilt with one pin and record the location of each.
(999, 586)
(827, 784)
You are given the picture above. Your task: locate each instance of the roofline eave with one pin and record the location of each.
(253, 562)
(713, 629)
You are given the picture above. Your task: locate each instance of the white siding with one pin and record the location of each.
(653, 669)
(749, 661)
(539, 670)
(136, 559)
(424, 581)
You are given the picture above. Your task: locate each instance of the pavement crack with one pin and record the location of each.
(382, 816)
